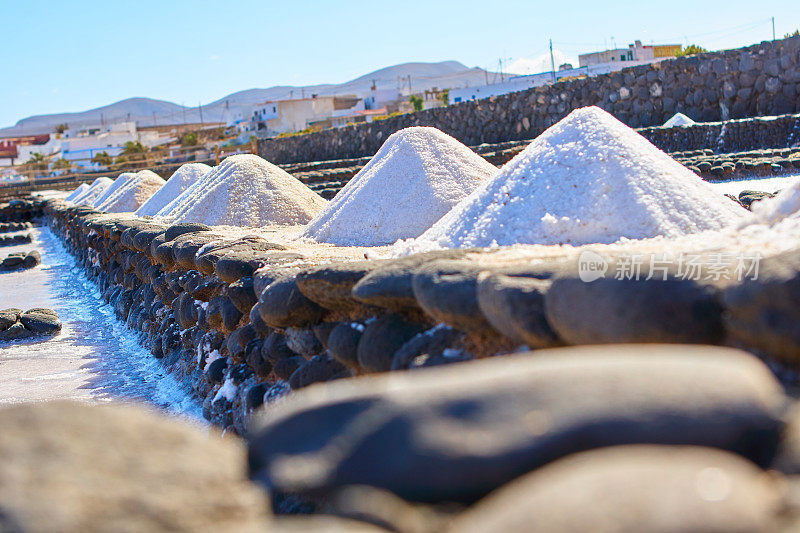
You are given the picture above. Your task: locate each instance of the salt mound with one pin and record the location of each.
(785, 204)
(180, 180)
(135, 189)
(416, 177)
(587, 179)
(245, 190)
(98, 187)
(82, 188)
(678, 119)
(111, 189)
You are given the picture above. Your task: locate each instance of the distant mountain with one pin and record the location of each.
(147, 111)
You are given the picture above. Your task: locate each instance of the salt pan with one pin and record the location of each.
(587, 179)
(245, 190)
(180, 180)
(133, 191)
(416, 177)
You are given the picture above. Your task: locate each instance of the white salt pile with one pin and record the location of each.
(98, 187)
(678, 119)
(83, 187)
(245, 190)
(134, 190)
(587, 179)
(181, 179)
(786, 204)
(416, 177)
(118, 182)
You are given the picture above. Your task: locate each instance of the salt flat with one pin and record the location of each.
(93, 358)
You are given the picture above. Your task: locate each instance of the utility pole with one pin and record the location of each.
(552, 61)
(773, 28)
(200, 108)
(409, 85)
(154, 119)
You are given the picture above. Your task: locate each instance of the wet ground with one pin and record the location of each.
(95, 357)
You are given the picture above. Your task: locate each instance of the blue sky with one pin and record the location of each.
(70, 56)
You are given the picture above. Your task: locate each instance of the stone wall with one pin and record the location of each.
(243, 321)
(758, 80)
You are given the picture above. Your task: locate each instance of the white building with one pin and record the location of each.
(593, 64)
(286, 116)
(79, 146)
(635, 54)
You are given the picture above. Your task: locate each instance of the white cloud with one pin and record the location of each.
(541, 63)
(213, 57)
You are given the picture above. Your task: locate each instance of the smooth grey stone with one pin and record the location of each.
(330, 285)
(447, 292)
(318, 369)
(239, 263)
(648, 489)
(343, 342)
(382, 338)
(182, 228)
(763, 314)
(610, 310)
(429, 345)
(457, 432)
(72, 466)
(282, 305)
(9, 317)
(515, 307)
(40, 320)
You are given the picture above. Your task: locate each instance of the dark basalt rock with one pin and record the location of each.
(239, 263)
(390, 285)
(323, 331)
(41, 320)
(15, 332)
(184, 248)
(286, 367)
(382, 338)
(515, 307)
(429, 349)
(8, 317)
(643, 488)
(176, 230)
(282, 305)
(318, 369)
(763, 314)
(258, 323)
(275, 348)
(207, 261)
(215, 372)
(206, 288)
(254, 397)
(242, 295)
(252, 355)
(330, 285)
(142, 239)
(524, 411)
(611, 310)
(343, 342)
(447, 291)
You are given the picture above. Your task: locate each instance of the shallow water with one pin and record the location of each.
(95, 357)
(766, 184)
